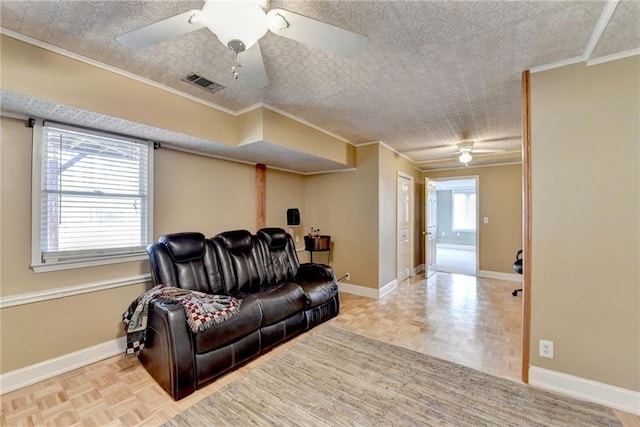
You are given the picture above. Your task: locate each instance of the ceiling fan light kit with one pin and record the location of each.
(240, 24)
(465, 157)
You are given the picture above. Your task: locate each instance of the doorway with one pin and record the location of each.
(452, 225)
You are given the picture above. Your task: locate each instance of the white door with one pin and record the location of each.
(431, 216)
(403, 222)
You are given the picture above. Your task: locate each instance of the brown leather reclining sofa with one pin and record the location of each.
(280, 299)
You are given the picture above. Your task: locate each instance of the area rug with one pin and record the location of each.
(333, 377)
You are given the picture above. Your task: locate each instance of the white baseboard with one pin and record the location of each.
(584, 389)
(392, 285)
(365, 291)
(500, 275)
(417, 270)
(28, 375)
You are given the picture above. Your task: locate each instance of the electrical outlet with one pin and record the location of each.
(546, 349)
(348, 276)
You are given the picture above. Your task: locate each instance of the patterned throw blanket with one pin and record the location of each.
(202, 311)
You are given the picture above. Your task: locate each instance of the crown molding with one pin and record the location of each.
(598, 30)
(613, 57)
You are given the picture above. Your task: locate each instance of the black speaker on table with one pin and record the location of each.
(293, 217)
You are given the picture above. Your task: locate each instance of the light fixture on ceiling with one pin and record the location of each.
(237, 24)
(465, 156)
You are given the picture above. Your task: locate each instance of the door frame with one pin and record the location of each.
(411, 180)
(476, 178)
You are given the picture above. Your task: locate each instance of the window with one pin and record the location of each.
(464, 211)
(91, 198)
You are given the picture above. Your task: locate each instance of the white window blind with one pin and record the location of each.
(94, 195)
(464, 211)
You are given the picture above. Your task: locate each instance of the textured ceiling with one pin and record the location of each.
(433, 73)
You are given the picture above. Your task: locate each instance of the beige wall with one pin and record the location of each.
(197, 193)
(585, 166)
(358, 209)
(345, 206)
(284, 191)
(192, 193)
(500, 198)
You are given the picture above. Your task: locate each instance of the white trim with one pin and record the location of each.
(110, 68)
(461, 167)
(393, 150)
(584, 389)
(359, 290)
(38, 267)
(32, 374)
(389, 287)
(365, 291)
(364, 144)
(500, 275)
(417, 270)
(598, 30)
(613, 57)
(557, 64)
(50, 294)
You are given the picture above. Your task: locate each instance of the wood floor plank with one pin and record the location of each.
(463, 319)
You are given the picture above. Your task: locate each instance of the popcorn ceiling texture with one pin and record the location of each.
(433, 72)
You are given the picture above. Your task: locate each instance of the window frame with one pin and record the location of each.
(467, 194)
(94, 257)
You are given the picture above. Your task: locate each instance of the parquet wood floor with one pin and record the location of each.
(474, 322)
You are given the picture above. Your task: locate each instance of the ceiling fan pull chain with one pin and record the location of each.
(236, 65)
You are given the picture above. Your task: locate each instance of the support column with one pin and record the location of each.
(261, 196)
(526, 255)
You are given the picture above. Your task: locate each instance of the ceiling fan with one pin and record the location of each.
(465, 148)
(240, 24)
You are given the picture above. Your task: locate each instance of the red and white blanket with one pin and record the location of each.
(202, 311)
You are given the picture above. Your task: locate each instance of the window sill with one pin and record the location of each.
(57, 266)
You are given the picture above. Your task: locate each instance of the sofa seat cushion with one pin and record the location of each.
(278, 301)
(248, 320)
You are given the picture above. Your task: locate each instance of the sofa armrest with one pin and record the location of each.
(168, 354)
(318, 282)
(314, 272)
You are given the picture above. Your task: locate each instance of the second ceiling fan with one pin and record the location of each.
(240, 24)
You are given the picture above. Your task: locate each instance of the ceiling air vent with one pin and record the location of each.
(202, 82)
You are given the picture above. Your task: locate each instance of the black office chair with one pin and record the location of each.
(517, 266)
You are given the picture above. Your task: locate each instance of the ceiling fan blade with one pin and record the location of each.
(253, 71)
(487, 150)
(504, 138)
(160, 31)
(318, 34)
(430, 148)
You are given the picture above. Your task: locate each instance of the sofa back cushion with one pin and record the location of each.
(241, 261)
(280, 253)
(187, 261)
